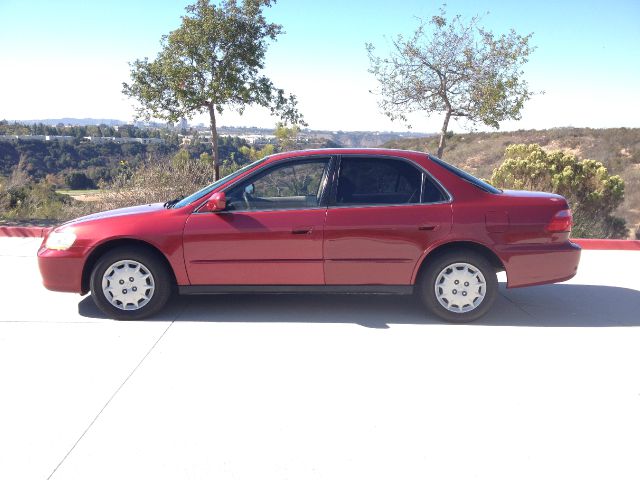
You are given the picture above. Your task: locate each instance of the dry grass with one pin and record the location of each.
(154, 182)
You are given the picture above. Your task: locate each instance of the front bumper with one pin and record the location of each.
(61, 270)
(528, 265)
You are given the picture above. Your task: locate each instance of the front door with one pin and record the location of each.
(270, 234)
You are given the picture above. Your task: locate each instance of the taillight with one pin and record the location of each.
(561, 222)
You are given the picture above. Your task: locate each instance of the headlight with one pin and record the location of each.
(60, 240)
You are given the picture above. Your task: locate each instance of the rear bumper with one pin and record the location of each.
(528, 265)
(61, 270)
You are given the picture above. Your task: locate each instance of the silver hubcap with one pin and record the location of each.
(460, 287)
(128, 285)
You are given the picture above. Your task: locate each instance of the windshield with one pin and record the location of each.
(209, 188)
(487, 187)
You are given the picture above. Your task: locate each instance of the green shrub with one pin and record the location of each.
(35, 201)
(592, 193)
(78, 181)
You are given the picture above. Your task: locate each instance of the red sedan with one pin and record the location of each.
(338, 221)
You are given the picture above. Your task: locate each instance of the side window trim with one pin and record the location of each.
(425, 177)
(328, 181)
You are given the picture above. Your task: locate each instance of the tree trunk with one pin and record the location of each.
(214, 143)
(443, 134)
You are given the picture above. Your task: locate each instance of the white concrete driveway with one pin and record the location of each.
(257, 387)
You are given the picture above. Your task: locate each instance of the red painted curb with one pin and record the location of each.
(606, 244)
(23, 231)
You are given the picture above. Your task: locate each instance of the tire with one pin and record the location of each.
(150, 290)
(472, 299)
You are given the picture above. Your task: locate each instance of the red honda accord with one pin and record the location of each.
(335, 221)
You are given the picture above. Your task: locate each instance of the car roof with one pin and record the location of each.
(348, 151)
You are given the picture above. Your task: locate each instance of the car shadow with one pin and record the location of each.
(561, 305)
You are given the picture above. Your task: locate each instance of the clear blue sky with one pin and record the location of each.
(69, 57)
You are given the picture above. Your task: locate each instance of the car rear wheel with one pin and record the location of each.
(458, 286)
(130, 283)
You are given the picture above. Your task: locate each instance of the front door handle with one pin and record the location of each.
(302, 230)
(429, 227)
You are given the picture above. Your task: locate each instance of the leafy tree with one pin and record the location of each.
(287, 137)
(206, 158)
(211, 62)
(592, 193)
(181, 158)
(453, 67)
(256, 154)
(78, 181)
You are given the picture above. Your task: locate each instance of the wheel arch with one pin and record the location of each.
(475, 247)
(101, 249)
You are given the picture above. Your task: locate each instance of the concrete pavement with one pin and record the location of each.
(322, 387)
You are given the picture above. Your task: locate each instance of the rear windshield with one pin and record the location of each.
(465, 176)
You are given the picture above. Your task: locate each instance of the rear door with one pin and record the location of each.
(383, 214)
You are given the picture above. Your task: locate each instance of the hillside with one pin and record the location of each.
(479, 153)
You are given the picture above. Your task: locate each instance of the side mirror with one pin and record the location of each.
(216, 203)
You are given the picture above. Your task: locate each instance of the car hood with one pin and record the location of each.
(119, 212)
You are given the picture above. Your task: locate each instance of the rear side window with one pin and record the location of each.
(382, 181)
(431, 193)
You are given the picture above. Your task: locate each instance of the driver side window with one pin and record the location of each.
(291, 185)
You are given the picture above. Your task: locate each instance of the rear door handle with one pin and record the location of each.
(429, 228)
(302, 230)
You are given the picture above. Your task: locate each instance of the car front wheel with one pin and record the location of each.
(130, 283)
(458, 286)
